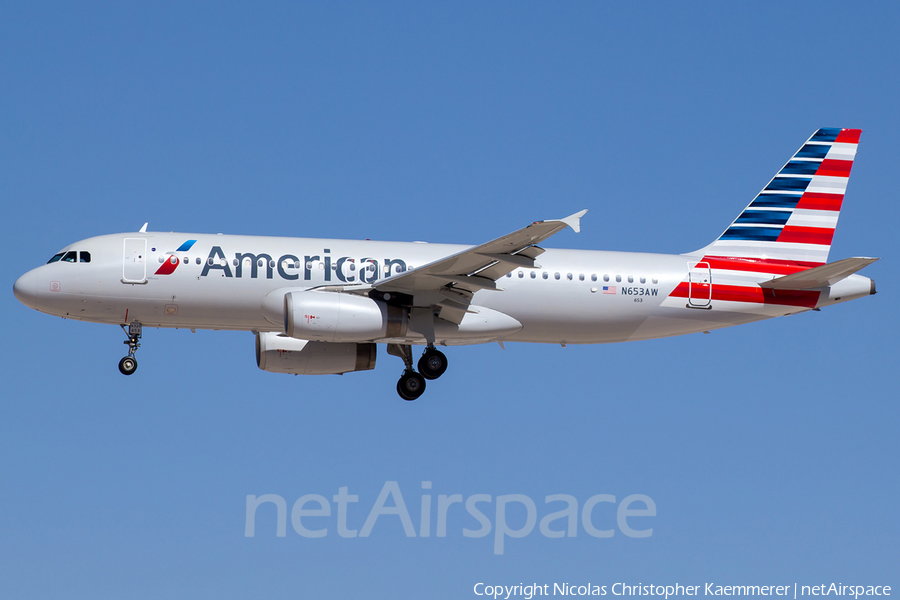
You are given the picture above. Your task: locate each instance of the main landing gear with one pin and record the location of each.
(433, 363)
(431, 366)
(128, 364)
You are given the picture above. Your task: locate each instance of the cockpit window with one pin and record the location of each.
(84, 256)
(70, 256)
(55, 258)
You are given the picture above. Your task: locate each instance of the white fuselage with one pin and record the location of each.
(222, 282)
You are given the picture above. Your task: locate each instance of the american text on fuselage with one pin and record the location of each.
(288, 266)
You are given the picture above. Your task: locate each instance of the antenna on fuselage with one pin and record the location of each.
(144, 228)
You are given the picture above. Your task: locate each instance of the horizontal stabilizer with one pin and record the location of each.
(818, 277)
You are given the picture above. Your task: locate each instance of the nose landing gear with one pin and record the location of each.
(128, 364)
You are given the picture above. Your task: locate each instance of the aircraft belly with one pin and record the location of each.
(667, 322)
(572, 316)
(182, 303)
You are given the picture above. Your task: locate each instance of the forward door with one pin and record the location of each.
(134, 269)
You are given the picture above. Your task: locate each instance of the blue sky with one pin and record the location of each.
(770, 450)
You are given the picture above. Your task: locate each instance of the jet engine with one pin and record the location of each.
(336, 317)
(279, 354)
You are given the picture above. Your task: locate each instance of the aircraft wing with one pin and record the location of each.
(819, 276)
(455, 278)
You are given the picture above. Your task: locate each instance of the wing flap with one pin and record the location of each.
(531, 252)
(452, 311)
(517, 260)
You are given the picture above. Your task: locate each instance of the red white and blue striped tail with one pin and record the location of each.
(792, 220)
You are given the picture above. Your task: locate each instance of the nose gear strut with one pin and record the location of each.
(128, 364)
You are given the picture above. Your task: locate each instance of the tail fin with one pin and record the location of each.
(793, 218)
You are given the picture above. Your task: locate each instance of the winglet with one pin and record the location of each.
(144, 228)
(574, 221)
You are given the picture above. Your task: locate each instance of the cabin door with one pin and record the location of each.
(700, 286)
(134, 269)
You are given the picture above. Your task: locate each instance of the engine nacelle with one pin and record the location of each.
(336, 317)
(301, 357)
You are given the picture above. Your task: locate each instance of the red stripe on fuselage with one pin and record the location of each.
(755, 295)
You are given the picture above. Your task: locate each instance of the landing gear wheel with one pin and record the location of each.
(432, 364)
(127, 365)
(411, 385)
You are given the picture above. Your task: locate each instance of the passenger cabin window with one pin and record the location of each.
(594, 277)
(199, 261)
(643, 280)
(655, 280)
(618, 279)
(55, 258)
(521, 274)
(606, 278)
(533, 274)
(70, 256)
(581, 277)
(630, 279)
(556, 276)
(545, 275)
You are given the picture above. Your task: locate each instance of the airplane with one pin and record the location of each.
(321, 306)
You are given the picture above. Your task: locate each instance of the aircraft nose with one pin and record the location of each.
(26, 289)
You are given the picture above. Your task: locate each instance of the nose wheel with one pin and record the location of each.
(128, 364)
